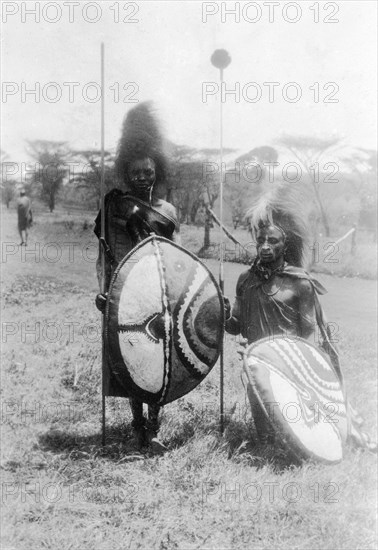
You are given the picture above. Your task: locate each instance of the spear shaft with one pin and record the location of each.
(221, 256)
(102, 193)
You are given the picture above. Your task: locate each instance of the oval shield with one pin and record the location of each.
(163, 322)
(294, 392)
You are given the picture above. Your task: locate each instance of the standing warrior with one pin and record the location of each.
(131, 215)
(276, 296)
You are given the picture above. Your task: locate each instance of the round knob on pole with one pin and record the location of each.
(220, 59)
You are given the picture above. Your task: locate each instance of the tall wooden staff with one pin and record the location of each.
(221, 59)
(102, 191)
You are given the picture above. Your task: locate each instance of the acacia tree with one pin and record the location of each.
(8, 189)
(362, 163)
(8, 185)
(51, 168)
(251, 174)
(308, 151)
(88, 176)
(194, 183)
(197, 184)
(261, 154)
(185, 181)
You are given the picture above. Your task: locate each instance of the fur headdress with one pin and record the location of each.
(141, 137)
(282, 206)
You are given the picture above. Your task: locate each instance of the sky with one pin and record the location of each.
(163, 55)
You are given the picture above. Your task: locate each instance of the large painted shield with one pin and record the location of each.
(163, 321)
(295, 393)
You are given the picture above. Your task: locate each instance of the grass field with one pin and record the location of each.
(61, 489)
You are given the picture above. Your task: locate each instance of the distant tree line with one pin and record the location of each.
(349, 197)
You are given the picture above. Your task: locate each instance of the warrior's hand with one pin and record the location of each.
(101, 301)
(227, 308)
(243, 343)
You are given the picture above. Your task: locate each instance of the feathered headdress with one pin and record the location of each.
(141, 137)
(282, 205)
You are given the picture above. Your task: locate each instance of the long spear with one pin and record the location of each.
(102, 192)
(221, 59)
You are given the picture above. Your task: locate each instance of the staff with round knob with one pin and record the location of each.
(221, 59)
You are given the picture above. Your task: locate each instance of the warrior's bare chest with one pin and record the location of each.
(281, 290)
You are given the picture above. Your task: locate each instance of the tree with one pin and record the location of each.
(252, 173)
(194, 183)
(308, 151)
(209, 196)
(88, 177)
(185, 181)
(51, 168)
(261, 154)
(8, 185)
(8, 190)
(363, 163)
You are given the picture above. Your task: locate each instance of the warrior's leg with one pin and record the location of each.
(153, 419)
(138, 422)
(21, 235)
(263, 427)
(157, 446)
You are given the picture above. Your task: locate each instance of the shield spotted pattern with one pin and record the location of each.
(163, 322)
(296, 388)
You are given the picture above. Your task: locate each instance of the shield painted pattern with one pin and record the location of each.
(295, 387)
(163, 321)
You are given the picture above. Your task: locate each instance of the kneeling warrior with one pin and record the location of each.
(131, 215)
(276, 296)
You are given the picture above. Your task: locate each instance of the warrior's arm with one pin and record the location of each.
(306, 309)
(99, 268)
(232, 324)
(172, 213)
(101, 252)
(101, 298)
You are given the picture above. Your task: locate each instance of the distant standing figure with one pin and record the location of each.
(24, 217)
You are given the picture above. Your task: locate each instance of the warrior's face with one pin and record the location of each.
(270, 245)
(142, 175)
